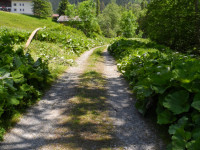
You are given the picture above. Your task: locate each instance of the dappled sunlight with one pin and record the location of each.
(88, 118)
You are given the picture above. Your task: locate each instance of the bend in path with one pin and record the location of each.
(131, 128)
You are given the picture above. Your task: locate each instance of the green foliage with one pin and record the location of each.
(87, 13)
(42, 8)
(173, 23)
(128, 24)
(97, 7)
(168, 79)
(22, 79)
(63, 7)
(71, 10)
(109, 20)
(14, 20)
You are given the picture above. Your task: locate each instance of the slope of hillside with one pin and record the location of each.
(24, 21)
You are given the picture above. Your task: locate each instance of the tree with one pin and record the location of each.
(197, 16)
(143, 4)
(63, 6)
(109, 20)
(128, 24)
(42, 8)
(97, 7)
(173, 23)
(102, 6)
(87, 13)
(71, 10)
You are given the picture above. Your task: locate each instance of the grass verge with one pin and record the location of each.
(14, 20)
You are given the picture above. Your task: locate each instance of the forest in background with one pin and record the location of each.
(103, 3)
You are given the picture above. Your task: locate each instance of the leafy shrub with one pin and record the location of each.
(173, 23)
(21, 78)
(12, 36)
(170, 80)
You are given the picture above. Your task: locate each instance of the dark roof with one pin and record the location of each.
(66, 19)
(5, 3)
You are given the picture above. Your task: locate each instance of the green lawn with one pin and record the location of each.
(25, 22)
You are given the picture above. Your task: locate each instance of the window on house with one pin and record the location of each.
(20, 9)
(14, 4)
(23, 9)
(19, 4)
(22, 4)
(15, 9)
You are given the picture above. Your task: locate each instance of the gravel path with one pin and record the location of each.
(131, 128)
(37, 128)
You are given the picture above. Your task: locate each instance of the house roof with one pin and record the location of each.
(55, 15)
(67, 18)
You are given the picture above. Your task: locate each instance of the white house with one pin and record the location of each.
(22, 6)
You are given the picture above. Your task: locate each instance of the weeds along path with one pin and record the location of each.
(37, 128)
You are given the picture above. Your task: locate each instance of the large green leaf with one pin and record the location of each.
(177, 102)
(159, 89)
(143, 90)
(192, 86)
(165, 117)
(196, 133)
(193, 145)
(12, 100)
(179, 139)
(195, 117)
(196, 102)
(17, 61)
(25, 87)
(17, 76)
(9, 83)
(181, 124)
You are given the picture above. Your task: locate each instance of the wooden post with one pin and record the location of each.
(31, 37)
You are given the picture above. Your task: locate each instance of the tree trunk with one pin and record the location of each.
(197, 22)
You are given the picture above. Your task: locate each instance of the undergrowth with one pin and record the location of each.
(26, 74)
(170, 80)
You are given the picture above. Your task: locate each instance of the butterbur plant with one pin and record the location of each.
(168, 79)
(22, 80)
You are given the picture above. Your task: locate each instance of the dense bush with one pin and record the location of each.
(128, 24)
(168, 79)
(173, 23)
(8, 36)
(21, 78)
(42, 8)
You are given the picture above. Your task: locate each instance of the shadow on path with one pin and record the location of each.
(131, 128)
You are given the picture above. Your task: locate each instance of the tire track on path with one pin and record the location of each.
(130, 127)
